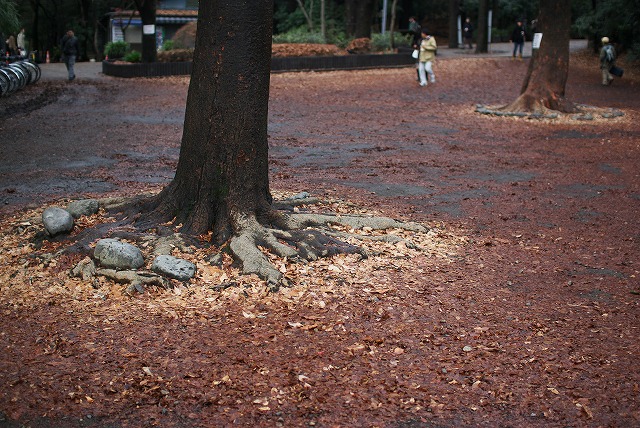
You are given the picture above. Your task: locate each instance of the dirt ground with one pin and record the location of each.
(519, 308)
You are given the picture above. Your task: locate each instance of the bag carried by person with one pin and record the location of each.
(616, 71)
(415, 54)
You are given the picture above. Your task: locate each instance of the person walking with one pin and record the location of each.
(12, 47)
(427, 55)
(467, 34)
(518, 37)
(22, 48)
(71, 50)
(607, 60)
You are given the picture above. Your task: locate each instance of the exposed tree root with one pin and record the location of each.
(578, 113)
(280, 231)
(136, 279)
(306, 237)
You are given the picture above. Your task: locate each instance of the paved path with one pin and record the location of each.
(93, 70)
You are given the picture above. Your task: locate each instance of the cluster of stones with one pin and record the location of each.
(609, 114)
(118, 260)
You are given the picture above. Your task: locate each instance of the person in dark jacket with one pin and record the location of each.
(71, 50)
(517, 38)
(467, 33)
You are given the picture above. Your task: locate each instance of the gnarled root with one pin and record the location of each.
(308, 237)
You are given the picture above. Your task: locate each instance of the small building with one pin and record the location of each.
(126, 25)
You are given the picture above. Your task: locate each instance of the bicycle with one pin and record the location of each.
(16, 73)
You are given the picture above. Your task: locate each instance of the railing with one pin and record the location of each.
(338, 62)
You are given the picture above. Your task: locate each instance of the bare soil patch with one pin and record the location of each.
(520, 307)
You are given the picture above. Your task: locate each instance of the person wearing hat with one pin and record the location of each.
(517, 38)
(607, 60)
(428, 48)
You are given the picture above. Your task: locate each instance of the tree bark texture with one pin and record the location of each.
(222, 180)
(544, 84)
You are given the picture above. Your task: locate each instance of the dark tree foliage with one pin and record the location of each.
(617, 19)
(46, 21)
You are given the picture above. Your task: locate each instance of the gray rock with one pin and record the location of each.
(585, 116)
(301, 195)
(115, 254)
(57, 221)
(83, 207)
(173, 267)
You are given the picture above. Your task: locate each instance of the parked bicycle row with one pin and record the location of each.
(16, 75)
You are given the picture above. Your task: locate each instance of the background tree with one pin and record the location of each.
(454, 8)
(147, 10)
(482, 33)
(617, 19)
(9, 22)
(544, 85)
(359, 17)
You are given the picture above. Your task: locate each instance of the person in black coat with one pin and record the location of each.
(518, 37)
(467, 33)
(71, 50)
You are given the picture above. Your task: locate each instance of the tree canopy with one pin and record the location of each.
(9, 22)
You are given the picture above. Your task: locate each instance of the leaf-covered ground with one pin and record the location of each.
(519, 307)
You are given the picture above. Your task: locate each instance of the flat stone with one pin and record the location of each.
(57, 220)
(115, 254)
(83, 207)
(173, 267)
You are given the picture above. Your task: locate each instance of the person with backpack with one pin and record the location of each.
(607, 60)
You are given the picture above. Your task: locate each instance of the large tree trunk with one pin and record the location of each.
(483, 27)
(147, 10)
(222, 180)
(544, 85)
(453, 23)
(359, 14)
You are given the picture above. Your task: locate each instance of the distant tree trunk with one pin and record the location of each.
(392, 25)
(35, 38)
(544, 85)
(453, 23)
(307, 15)
(483, 27)
(147, 10)
(359, 14)
(221, 181)
(323, 20)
